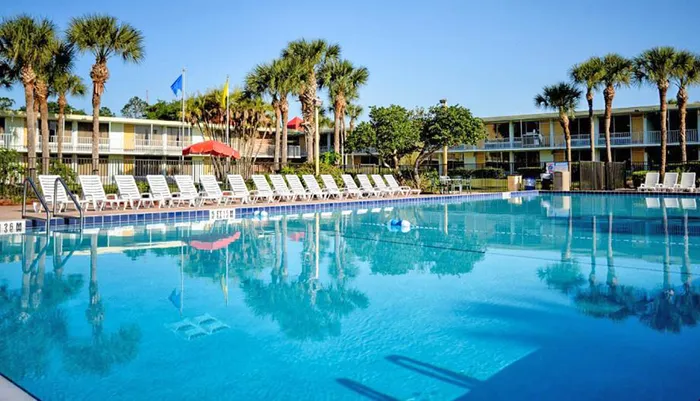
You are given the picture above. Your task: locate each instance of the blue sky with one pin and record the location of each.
(492, 57)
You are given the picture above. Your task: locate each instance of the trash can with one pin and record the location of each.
(529, 183)
(562, 181)
(546, 181)
(514, 182)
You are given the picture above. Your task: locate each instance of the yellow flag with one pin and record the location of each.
(224, 94)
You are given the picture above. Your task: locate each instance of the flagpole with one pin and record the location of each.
(184, 80)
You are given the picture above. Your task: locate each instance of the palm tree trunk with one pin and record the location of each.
(41, 95)
(662, 116)
(564, 121)
(336, 132)
(342, 137)
(278, 118)
(95, 131)
(285, 116)
(682, 99)
(591, 130)
(28, 78)
(61, 125)
(608, 95)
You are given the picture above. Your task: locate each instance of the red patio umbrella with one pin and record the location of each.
(211, 148)
(215, 245)
(295, 123)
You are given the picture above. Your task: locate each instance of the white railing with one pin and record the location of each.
(534, 141)
(148, 146)
(177, 145)
(577, 140)
(7, 141)
(616, 138)
(85, 144)
(672, 136)
(501, 143)
(462, 148)
(293, 151)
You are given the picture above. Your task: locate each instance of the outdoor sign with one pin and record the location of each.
(222, 214)
(12, 227)
(557, 166)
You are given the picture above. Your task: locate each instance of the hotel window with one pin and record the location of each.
(142, 131)
(621, 123)
(174, 134)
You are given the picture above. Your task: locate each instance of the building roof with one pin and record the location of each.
(584, 113)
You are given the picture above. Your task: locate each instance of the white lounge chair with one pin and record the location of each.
(381, 186)
(406, 190)
(670, 181)
(160, 190)
(687, 183)
(47, 182)
(298, 188)
(351, 188)
(281, 189)
(127, 189)
(671, 203)
(190, 194)
(94, 193)
(651, 180)
(211, 187)
(316, 189)
(368, 188)
(238, 187)
(264, 187)
(653, 203)
(332, 187)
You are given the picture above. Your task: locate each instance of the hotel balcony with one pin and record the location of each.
(293, 151)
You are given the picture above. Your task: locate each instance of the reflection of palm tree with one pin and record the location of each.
(103, 351)
(564, 275)
(303, 308)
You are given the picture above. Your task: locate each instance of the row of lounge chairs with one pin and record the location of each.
(670, 183)
(160, 195)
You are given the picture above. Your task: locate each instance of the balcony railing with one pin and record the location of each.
(672, 136)
(293, 151)
(620, 138)
(177, 145)
(500, 143)
(149, 146)
(84, 144)
(534, 141)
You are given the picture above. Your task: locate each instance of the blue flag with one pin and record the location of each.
(175, 298)
(177, 85)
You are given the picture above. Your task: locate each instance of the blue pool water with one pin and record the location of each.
(545, 297)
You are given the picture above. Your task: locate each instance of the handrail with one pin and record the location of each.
(41, 199)
(70, 195)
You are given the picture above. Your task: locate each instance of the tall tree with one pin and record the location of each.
(262, 82)
(655, 67)
(617, 72)
(104, 36)
(446, 126)
(686, 73)
(41, 96)
(589, 74)
(23, 44)
(135, 108)
(342, 80)
(63, 84)
(354, 112)
(106, 111)
(309, 57)
(562, 98)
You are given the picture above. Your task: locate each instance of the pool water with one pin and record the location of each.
(543, 297)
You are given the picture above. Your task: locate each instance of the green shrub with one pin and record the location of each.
(638, 177)
(66, 172)
(329, 157)
(460, 172)
(11, 173)
(530, 172)
(430, 181)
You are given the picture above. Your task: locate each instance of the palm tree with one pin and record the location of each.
(62, 83)
(685, 74)
(263, 82)
(589, 74)
(617, 73)
(309, 57)
(354, 111)
(23, 44)
(563, 98)
(104, 37)
(343, 81)
(655, 67)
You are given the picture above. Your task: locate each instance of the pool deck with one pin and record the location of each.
(10, 392)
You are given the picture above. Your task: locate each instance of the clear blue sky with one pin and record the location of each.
(491, 56)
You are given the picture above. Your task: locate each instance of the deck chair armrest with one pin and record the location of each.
(88, 197)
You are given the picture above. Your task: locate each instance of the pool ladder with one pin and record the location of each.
(29, 184)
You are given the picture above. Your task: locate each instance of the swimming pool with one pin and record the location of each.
(545, 297)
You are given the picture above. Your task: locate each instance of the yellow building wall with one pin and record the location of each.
(128, 136)
(558, 135)
(480, 158)
(544, 127)
(559, 155)
(637, 155)
(491, 131)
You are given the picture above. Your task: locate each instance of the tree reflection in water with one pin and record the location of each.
(304, 307)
